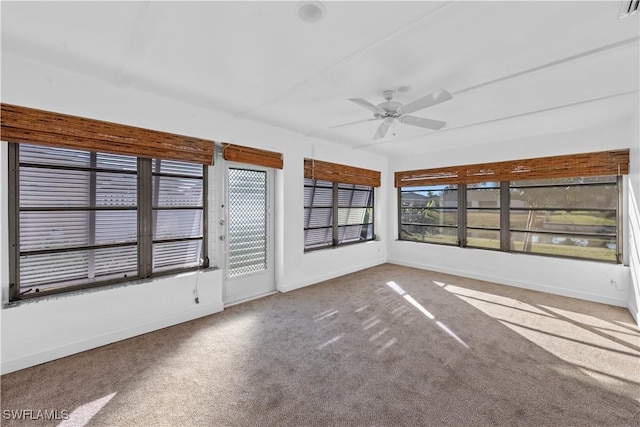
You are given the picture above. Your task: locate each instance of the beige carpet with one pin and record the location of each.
(386, 346)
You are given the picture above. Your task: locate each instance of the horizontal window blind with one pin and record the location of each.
(252, 156)
(614, 162)
(355, 213)
(77, 217)
(336, 213)
(178, 211)
(318, 213)
(23, 124)
(334, 172)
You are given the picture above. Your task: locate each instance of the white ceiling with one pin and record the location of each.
(514, 68)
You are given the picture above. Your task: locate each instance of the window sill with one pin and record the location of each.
(342, 245)
(536, 254)
(70, 294)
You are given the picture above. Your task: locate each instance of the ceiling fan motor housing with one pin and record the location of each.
(392, 109)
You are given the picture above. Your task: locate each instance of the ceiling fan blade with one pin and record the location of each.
(382, 129)
(427, 101)
(422, 122)
(366, 104)
(353, 123)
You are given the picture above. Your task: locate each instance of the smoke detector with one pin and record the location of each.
(311, 11)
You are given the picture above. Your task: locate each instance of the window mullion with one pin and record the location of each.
(156, 194)
(462, 215)
(348, 215)
(334, 206)
(505, 225)
(373, 213)
(91, 267)
(399, 213)
(619, 224)
(145, 212)
(14, 222)
(312, 199)
(205, 217)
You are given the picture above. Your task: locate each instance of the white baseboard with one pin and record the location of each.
(107, 338)
(332, 275)
(240, 301)
(516, 283)
(635, 314)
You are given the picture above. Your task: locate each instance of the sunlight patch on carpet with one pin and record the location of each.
(420, 307)
(81, 416)
(331, 341)
(362, 308)
(326, 315)
(389, 343)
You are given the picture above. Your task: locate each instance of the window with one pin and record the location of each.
(574, 217)
(351, 204)
(568, 217)
(483, 215)
(567, 205)
(178, 214)
(85, 218)
(429, 214)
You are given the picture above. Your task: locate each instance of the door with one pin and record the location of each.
(248, 242)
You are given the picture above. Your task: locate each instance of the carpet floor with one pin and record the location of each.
(386, 346)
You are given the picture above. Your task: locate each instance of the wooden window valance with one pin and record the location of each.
(23, 124)
(568, 166)
(252, 156)
(315, 169)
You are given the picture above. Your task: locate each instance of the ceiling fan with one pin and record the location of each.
(390, 110)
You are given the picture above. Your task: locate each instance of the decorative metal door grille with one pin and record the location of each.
(247, 235)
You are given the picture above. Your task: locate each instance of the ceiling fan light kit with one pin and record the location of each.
(389, 110)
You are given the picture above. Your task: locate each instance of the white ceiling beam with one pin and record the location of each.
(499, 119)
(354, 55)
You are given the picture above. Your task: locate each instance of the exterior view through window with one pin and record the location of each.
(576, 217)
(567, 217)
(429, 214)
(351, 204)
(483, 215)
(81, 218)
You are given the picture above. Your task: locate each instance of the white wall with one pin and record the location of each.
(600, 282)
(37, 331)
